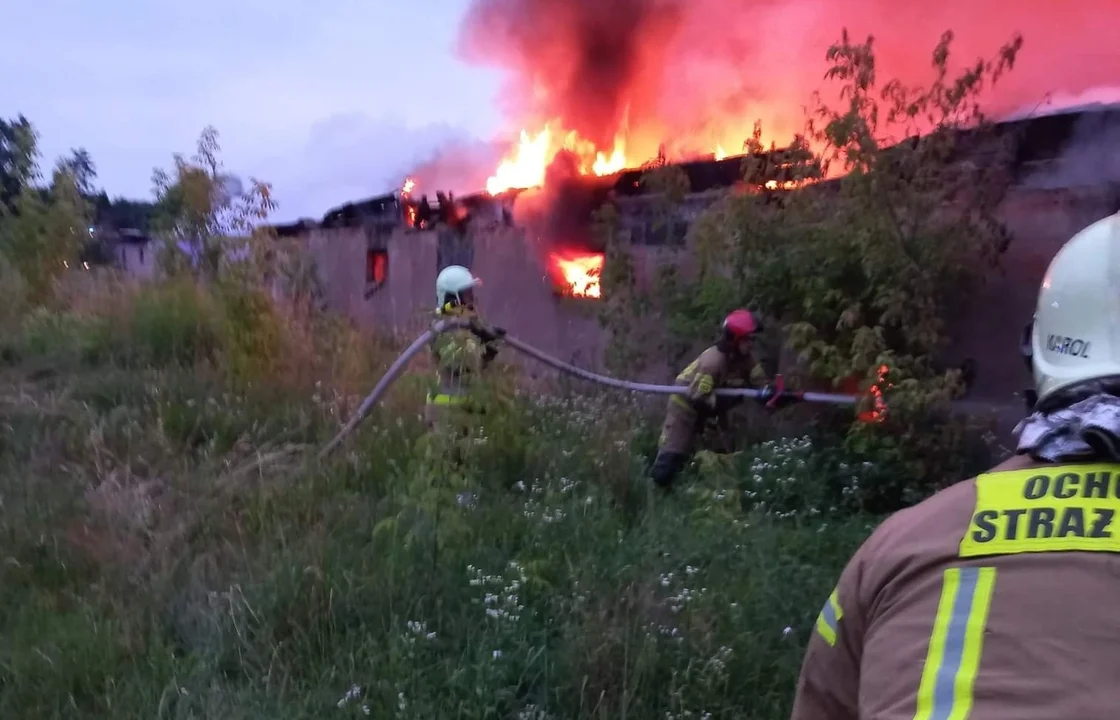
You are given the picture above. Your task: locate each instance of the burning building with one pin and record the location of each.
(597, 92)
(541, 263)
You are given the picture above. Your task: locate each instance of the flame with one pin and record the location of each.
(577, 272)
(406, 195)
(527, 162)
(525, 165)
(879, 410)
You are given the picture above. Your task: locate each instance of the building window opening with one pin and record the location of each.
(377, 268)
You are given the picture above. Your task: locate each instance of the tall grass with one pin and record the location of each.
(169, 551)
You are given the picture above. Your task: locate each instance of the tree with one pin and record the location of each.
(80, 166)
(863, 270)
(210, 223)
(44, 234)
(18, 159)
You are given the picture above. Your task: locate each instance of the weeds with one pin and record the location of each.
(169, 552)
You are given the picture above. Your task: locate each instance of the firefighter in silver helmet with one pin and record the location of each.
(996, 597)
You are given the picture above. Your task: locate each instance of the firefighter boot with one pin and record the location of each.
(666, 467)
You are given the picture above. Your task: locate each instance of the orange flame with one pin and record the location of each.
(525, 165)
(577, 273)
(406, 196)
(879, 410)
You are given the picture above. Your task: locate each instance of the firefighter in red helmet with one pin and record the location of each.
(728, 363)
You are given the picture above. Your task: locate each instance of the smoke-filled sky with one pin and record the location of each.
(686, 69)
(336, 100)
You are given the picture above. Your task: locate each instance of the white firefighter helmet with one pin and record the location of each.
(1075, 335)
(453, 280)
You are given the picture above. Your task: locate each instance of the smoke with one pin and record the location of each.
(459, 167)
(1090, 157)
(558, 214)
(688, 74)
(585, 61)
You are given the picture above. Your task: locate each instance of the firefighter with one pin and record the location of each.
(461, 354)
(728, 363)
(997, 597)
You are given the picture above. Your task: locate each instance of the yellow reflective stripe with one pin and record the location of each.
(1055, 508)
(705, 384)
(680, 401)
(688, 371)
(956, 643)
(828, 622)
(444, 399)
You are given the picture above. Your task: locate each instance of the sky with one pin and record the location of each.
(329, 101)
(339, 100)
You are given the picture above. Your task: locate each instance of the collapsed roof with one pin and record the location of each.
(1041, 144)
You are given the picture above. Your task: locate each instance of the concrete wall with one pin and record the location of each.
(137, 259)
(1040, 221)
(403, 302)
(516, 292)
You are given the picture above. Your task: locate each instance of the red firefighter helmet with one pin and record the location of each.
(740, 324)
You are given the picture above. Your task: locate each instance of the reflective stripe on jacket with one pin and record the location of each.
(710, 370)
(995, 599)
(458, 356)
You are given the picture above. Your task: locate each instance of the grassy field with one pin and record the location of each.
(169, 550)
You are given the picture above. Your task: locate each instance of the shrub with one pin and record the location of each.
(173, 323)
(861, 271)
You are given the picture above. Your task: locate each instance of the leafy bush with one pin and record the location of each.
(861, 271)
(64, 337)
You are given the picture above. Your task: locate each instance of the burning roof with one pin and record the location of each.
(1038, 140)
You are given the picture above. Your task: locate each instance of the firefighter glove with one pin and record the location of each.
(489, 352)
(484, 333)
(774, 394)
(725, 403)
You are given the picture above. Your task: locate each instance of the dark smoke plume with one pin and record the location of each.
(580, 60)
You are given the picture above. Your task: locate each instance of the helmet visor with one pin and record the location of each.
(1025, 345)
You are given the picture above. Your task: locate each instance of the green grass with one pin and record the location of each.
(169, 552)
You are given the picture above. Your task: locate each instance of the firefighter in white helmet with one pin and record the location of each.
(997, 597)
(461, 354)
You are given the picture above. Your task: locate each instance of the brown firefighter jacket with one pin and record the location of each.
(711, 370)
(995, 599)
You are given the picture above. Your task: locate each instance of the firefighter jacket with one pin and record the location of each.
(711, 370)
(460, 355)
(995, 599)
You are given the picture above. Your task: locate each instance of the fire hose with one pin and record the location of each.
(442, 326)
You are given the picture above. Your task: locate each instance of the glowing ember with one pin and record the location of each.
(879, 410)
(578, 273)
